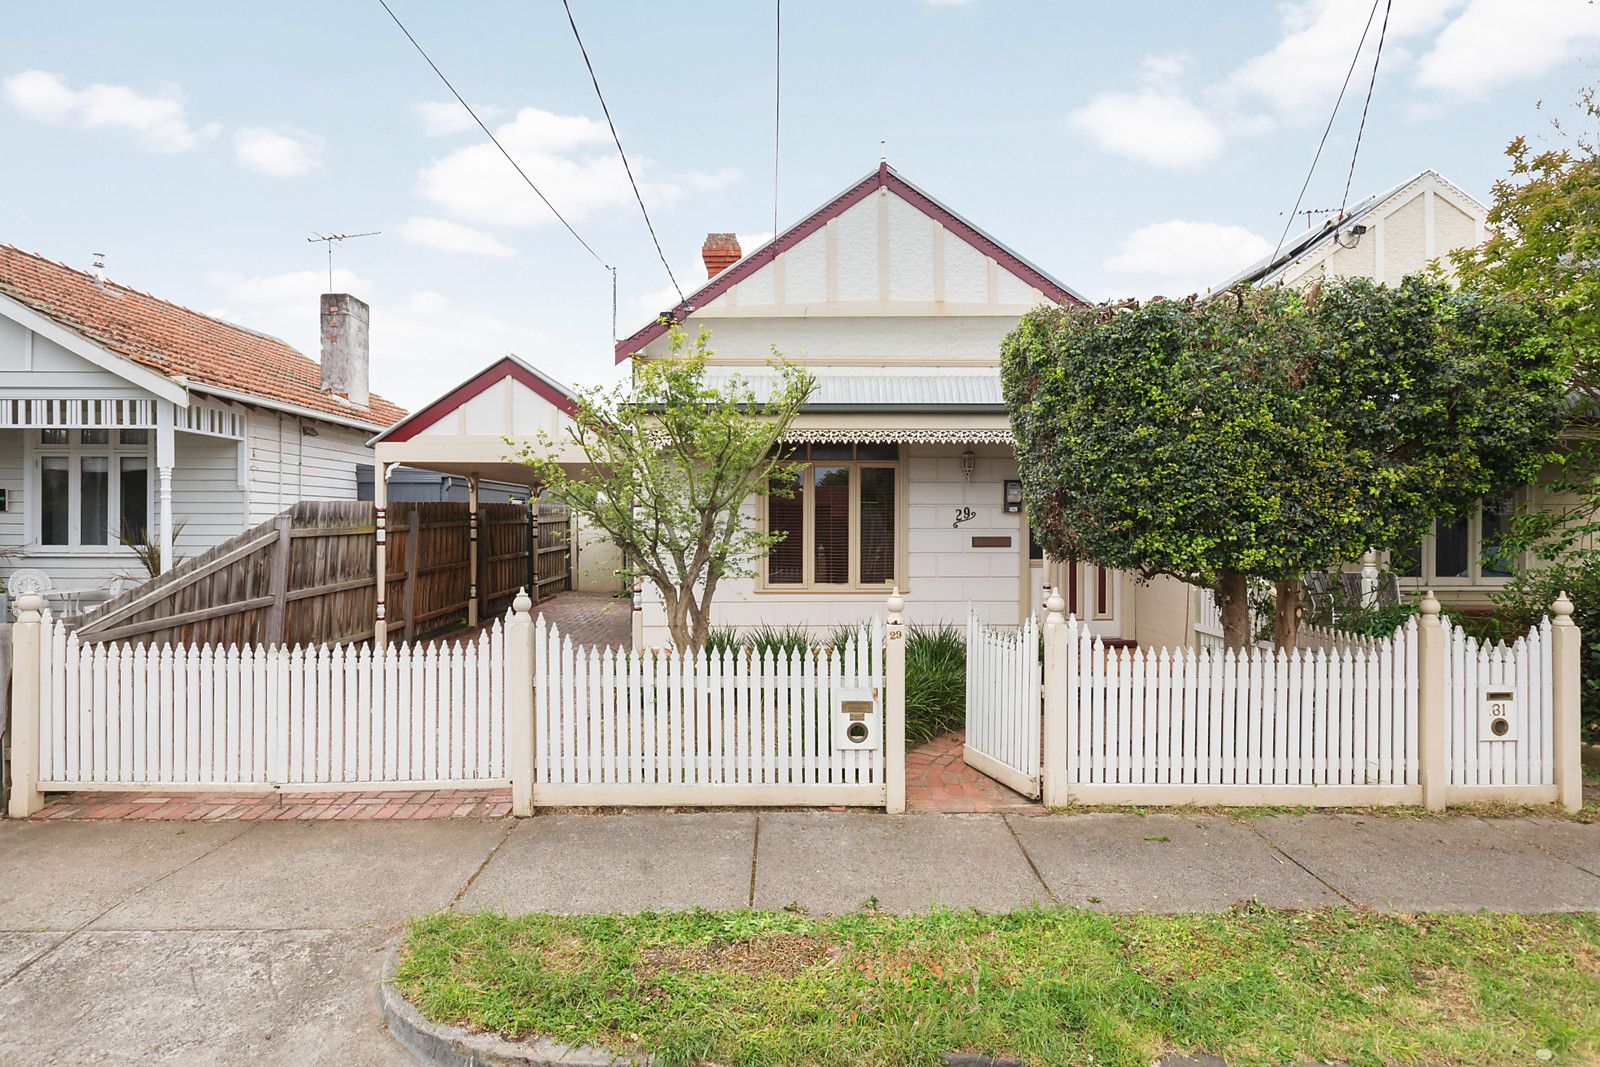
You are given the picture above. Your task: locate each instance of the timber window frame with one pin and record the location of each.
(1476, 573)
(75, 452)
(852, 459)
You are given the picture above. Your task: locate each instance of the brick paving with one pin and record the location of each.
(937, 779)
(588, 618)
(251, 807)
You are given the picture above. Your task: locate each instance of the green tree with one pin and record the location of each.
(670, 458)
(1265, 433)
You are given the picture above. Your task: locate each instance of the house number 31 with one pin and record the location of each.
(963, 515)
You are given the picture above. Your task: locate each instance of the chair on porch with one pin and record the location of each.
(1319, 590)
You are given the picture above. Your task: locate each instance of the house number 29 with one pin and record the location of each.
(963, 515)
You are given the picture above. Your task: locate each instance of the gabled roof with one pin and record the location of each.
(177, 342)
(884, 177)
(1270, 267)
(508, 366)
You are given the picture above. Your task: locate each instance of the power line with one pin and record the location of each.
(490, 134)
(777, 115)
(1325, 130)
(1383, 31)
(636, 195)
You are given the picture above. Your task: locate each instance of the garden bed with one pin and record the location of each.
(1052, 986)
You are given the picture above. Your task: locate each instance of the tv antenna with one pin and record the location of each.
(329, 238)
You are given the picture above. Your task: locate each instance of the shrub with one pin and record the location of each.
(936, 682)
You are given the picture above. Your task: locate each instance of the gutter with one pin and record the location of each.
(278, 405)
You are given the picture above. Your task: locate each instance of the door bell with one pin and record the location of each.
(855, 720)
(1496, 723)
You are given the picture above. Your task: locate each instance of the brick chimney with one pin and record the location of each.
(344, 346)
(720, 252)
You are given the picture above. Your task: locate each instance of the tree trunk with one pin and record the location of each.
(1234, 589)
(1286, 614)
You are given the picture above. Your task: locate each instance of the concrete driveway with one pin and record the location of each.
(141, 942)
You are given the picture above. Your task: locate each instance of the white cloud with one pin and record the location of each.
(442, 235)
(1152, 126)
(442, 118)
(295, 288)
(159, 122)
(1179, 257)
(278, 153)
(1494, 42)
(569, 157)
(1300, 75)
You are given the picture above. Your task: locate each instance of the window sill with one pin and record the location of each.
(827, 590)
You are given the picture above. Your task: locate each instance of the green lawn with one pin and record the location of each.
(1056, 986)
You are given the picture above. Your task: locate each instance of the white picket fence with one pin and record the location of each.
(1003, 709)
(128, 716)
(613, 726)
(1212, 718)
(1473, 669)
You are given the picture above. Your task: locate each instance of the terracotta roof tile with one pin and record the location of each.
(174, 340)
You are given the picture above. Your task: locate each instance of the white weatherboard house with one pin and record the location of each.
(897, 305)
(124, 414)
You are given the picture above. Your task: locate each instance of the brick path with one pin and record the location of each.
(938, 780)
(588, 618)
(229, 807)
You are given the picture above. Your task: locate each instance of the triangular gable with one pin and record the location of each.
(114, 363)
(506, 369)
(748, 269)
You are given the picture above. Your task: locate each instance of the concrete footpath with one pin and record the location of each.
(140, 942)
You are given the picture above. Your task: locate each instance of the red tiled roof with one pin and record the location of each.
(173, 340)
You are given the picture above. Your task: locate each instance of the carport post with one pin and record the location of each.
(519, 703)
(472, 549)
(25, 711)
(1056, 639)
(894, 706)
(380, 502)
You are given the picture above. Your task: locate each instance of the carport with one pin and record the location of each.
(474, 431)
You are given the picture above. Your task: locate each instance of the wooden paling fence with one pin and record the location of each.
(308, 575)
(202, 717)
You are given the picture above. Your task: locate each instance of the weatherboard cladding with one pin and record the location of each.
(889, 392)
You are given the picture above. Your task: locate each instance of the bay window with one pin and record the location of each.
(94, 487)
(840, 525)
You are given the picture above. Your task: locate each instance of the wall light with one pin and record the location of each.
(968, 461)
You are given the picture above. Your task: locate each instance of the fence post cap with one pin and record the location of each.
(1562, 609)
(1054, 605)
(29, 602)
(1430, 607)
(522, 604)
(896, 603)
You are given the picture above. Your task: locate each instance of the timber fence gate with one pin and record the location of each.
(1427, 715)
(517, 704)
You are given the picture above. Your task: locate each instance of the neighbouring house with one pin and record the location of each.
(897, 304)
(124, 417)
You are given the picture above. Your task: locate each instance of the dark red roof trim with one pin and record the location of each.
(883, 177)
(507, 367)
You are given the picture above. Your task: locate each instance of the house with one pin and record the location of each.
(127, 417)
(897, 304)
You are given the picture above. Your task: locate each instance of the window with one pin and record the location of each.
(841, 523)
(1459, 551)
(94, 487)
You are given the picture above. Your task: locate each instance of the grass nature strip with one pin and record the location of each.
(1055, 986)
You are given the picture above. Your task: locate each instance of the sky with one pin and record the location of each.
(1134, 148)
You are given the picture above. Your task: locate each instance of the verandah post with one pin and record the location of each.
(1432, 771)
(519, 703)
(1056, 638)
(894, 705)
(26, 637)
(1566, 701)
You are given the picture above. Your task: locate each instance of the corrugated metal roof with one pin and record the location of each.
(890, 392)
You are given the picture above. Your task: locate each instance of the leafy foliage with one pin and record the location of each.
(671, 457)
(1266, 433)
(936, 682)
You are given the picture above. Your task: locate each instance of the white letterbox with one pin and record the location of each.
(855, 720)
(1497, 721)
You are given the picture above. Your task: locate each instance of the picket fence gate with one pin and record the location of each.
(118, 716)
(1475, 668)
(656, 726)
(1004, 713)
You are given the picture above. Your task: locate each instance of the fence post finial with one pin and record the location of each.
(26, 647)
(1430, 608)
(1055, 607)
(1566, 699)
(522, 604)
(894, 706)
